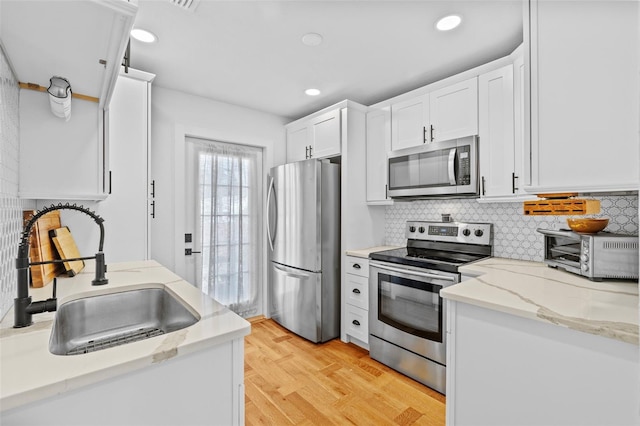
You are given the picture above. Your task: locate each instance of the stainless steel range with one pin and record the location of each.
(407, 318)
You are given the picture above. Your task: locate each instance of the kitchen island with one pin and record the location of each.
(190, 376)
(532, 345)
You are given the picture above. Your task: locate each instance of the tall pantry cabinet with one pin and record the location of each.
(128, 208)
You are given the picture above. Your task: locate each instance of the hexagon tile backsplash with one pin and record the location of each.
(514, 234)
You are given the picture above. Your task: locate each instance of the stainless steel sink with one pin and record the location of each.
(100, 322)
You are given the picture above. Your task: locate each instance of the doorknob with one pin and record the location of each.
(189, 252)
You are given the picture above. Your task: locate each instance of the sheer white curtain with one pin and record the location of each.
(229, 217)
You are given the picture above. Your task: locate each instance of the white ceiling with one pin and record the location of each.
(250, 53)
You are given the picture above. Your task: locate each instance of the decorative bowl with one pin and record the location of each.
(587, 225)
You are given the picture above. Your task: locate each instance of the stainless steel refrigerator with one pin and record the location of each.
(303, 232)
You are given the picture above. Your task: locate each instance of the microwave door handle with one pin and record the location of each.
(452, 166)
(416, 273)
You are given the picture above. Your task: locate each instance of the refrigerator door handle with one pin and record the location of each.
(289, 273)
(270, 191)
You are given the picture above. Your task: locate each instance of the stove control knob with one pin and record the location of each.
(421, 230)
(466, 232)
(412, 228)
(478, 233)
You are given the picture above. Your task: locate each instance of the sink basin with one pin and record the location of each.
(100, 322)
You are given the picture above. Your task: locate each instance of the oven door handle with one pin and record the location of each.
(412, 272)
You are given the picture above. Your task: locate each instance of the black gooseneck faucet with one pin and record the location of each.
(23, 307)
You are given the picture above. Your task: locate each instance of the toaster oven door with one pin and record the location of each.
(562, 248)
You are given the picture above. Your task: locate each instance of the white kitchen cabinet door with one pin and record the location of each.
(522, 146)
(127, 236)
(585, 107)
(453, 111)
(378, 146)
(297, 143)
(325, 135)
(579, 378)
(409, 122)
(496, 133)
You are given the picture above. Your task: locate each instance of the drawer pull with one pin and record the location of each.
(355, 322)
(356, 291)
(356, 266)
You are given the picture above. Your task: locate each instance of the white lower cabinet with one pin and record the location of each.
(508, 370)
(356, 296)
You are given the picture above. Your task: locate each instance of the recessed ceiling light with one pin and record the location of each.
(312, 39)
(448, 22)
(312, 92)
(143, 35)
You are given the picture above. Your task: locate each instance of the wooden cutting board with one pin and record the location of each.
(41, 247)
(67, 249)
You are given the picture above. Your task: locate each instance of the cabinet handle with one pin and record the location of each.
(513, 182)
(431, 127)
(153, 189)
(153, 209)
(356, 291)
(355, 322)
(310, 151)
(109, 181)
(424, 134)
(306, 152)
(356, 266)
(386, 192)
(483, 185)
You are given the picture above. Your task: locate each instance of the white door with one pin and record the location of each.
(325, 133)
(409, 122)
(223, 217)
(496, 132)
(298, 144)
(454, 111)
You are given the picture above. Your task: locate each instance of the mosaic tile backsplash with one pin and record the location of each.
(10, 205)
(514, 234)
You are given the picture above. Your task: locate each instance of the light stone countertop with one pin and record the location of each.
(533, 290)
(30, 372)
(364, 253)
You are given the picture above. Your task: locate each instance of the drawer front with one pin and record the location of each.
(357, 291)
(357, 323)
(357, 266)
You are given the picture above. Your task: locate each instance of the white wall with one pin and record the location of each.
(175, 112)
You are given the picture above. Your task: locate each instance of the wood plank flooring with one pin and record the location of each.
(291, 381)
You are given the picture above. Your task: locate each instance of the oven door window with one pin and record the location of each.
(414, 307)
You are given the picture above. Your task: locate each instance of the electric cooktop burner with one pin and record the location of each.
(441, 246)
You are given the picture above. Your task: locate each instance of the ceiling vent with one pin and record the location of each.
(188, 5)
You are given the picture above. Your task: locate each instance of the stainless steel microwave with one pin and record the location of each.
(445, 169)
(596, 256)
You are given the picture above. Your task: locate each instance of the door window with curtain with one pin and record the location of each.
(228, 222)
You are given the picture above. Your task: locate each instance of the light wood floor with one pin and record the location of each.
(289, 380)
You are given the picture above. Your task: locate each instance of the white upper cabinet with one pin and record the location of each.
(317, 136)
(496, 133)
(409, 122)
(454, 111)
(584, 95)
(378, 145)
(325, 135)
(447, 113)
(297, 143)
(83, 42)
